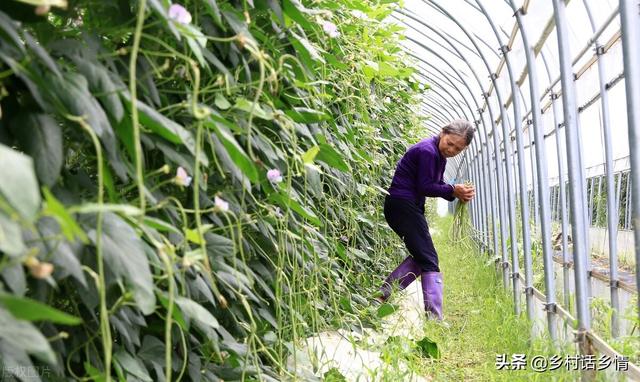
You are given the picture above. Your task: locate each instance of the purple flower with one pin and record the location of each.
(331, 29)
(182, 178)
(274, 175)
(179, 14)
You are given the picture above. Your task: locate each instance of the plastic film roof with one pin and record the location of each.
(457, 50)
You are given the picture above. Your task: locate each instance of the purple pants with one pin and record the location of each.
(406, 218)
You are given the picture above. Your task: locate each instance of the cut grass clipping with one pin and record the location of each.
(461, 229)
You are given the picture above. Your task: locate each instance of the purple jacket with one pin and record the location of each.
(419, 173)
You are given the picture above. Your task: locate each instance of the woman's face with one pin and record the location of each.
(451, 144)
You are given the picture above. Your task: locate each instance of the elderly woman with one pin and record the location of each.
(418, 175)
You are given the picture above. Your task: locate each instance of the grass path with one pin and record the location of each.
(482, 322)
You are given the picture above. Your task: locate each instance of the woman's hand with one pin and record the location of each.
(463, 192)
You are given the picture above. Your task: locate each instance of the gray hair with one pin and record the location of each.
(462, 128)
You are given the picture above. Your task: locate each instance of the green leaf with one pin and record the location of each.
(125, 257)
(428, 348)
(345, 304)
(331, 157)
(101, 84)
(64, 254)
(331, 59)
(93, 373)
(15, 278)
(24, 308)
(277, 10)
(370, 69)
(177, 314)
(287, 202)
(197, 314)
(40, 136)
(222, 102)
(291, 9)
(9, 31)
(14, 361)
(193, 236)
(334, 375)
(359, 253)
(234, 150)
(162, 125)
(160, 225)
(68, 224)
(23, 335)
(10, 237)
(132, 366)
(213, 10)
(196, 41)
(304, 46)
(306, 115)
(310, 155)
(19, 185)
(386, 70)
(312, 175)
(248, 106)
(41, 53)
(385, 310)
(218, 245)
(72, 91)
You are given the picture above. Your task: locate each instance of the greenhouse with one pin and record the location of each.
(328, 190)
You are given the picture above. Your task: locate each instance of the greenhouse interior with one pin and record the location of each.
(226, 190)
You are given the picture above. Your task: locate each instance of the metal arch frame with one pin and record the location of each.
(575, 167)
(456, 53)
(451, 96)
(487, 167)
(457, 104)
(630, 28)
(504, 118)
(560, 148)
(501, 194)
(442, 102)
(542, 172)
(523, 187)
(475, 209)
(612, 216)
(576, 171)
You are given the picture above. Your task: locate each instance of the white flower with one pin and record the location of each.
(182, 178)
(359, 14)
(331, 29)
(387, 100)
(179, 14)
(221, 204)
(274, 175)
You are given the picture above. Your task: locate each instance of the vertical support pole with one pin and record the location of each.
(630, 28)
(576, 173)
(564, 219)
(542, 175)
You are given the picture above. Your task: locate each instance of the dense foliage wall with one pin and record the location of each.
(187, 190)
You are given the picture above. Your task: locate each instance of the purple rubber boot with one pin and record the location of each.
(406, 272)
(432, 293)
